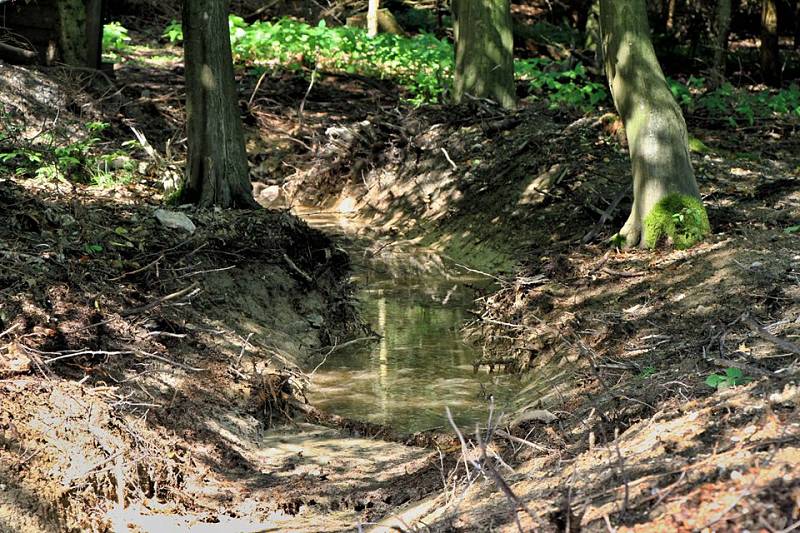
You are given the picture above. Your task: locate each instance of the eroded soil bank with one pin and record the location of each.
(147, 372)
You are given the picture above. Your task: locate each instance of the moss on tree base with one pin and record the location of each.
(679, 218)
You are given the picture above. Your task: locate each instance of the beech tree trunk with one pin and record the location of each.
(770, 51)
(217, 173)
(722, 24)
(654, 125)
(484, 51)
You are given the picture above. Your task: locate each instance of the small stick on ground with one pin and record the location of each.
(766, 335)
(308, 279)
(159, 301)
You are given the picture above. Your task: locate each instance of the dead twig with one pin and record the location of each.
(308, 279)
(622, 273)
(155, 303)
(336, 347)
(766, 335)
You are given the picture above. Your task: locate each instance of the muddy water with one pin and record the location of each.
(417, 303)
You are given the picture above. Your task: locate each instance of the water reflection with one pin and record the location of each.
(419, 365)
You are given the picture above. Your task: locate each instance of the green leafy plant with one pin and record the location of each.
(562, 84)
(422, 64)
(80, 161)
(115, 39)
(93, 248)
(732, 105)
(733, 377)
(173, 32)
(792, 229)
(647, 372)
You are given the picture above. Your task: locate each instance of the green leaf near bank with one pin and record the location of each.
(733, 377)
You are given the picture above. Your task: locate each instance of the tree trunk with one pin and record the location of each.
(94, 33)
(216, 170)
(372, 18)
(654, 125)
(484, 51)
(72, 32)
(722, 26)
(797, 24)
(770, 53)
(592, 34)
(671, 8)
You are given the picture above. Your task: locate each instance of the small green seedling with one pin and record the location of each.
(647, 372)
(93, 248)
(792, 229)
(733, 377)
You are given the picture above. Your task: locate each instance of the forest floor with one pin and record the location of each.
(147, 372)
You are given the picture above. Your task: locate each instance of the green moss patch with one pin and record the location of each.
(679, 218)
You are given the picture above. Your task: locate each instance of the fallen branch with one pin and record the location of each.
(16, 54)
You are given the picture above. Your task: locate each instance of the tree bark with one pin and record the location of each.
(770, 51)
(722, 24)
(94, 33)
(671, 8)
(796, 24)
(372, 18)
(484, 51)
(217, 173)
(72, 32)
(654, 125)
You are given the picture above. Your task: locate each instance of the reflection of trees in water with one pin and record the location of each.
(415, 364)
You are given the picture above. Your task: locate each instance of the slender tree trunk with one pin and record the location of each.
(580, 12)
(216, 170)
(484, 51)
(671, 8)
(797, 24)
(770, 52)
(722, 26)
(592, 35)
(372, 18)
(654, 125)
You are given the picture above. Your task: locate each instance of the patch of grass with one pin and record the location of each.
(679, 218)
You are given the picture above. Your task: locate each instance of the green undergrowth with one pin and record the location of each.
(115, 40)
(735, 106)
(562, 83)
(679, 218)
(423, 64)
(51, 156)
